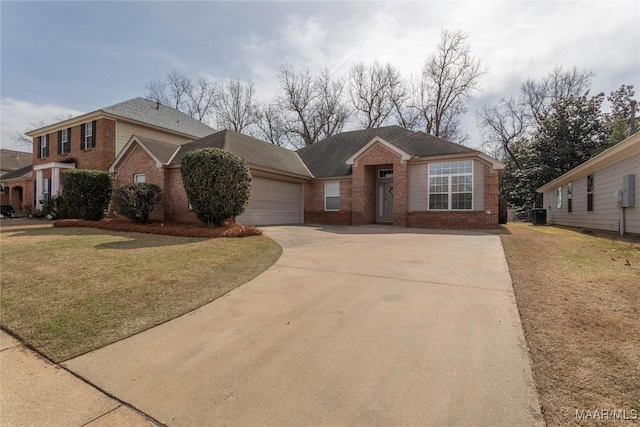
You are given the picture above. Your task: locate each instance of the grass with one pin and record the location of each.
(67, 291)
(579, 300)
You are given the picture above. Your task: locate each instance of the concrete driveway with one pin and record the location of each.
(367, 326)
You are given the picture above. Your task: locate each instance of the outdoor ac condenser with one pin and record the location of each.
(628, 191)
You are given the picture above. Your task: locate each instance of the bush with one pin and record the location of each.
(86, 193)
(54, 208)
(217, 183)
(136, 201)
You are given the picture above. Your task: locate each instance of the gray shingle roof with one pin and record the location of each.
(161, 150)
(19, 173)
(327, 158)
(253, 151)
(145, 111)
(12, 159)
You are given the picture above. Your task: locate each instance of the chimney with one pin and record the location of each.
(157, 105)
(632, 127)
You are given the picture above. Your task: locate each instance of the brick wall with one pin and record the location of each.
(314, 212)
(464, 219)
(139, 161)
(99, 158)
(364, 185)
(177, 206)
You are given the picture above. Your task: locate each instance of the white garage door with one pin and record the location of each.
(273, 202)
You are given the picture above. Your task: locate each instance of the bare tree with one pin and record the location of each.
(541, 96)
(270, 125)
(235, 105)
(332, 111)
(449, 81)
(309, 109)
(376, 92)
(504, 126)
(180, 92)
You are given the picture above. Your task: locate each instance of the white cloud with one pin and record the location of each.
(19, 116)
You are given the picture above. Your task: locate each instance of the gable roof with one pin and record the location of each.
(329, 158)
(622, 150)
(254, 151)
(12, 159)
(143, 111)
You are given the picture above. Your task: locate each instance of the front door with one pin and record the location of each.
(385, 202)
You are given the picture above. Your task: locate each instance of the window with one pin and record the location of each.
(559, 197)
(64, 143)
(451, 185)
(139, 178)
(43, 146)
(590, 193)
(46, 191)
(88, 135)
(332, 196)
(570, 197)
(385, 173)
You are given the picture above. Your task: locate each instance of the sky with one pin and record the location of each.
(60, 58)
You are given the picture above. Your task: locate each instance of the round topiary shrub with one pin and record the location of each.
(217, 183)
(136, 201)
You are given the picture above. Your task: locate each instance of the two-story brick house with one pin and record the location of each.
(93, 140)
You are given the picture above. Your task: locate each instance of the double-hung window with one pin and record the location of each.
(332, 196)
(88, 135)
(139, 178)
(570, 197)
(64, 141)
(451, 185)
(590, 193)
(43, 146)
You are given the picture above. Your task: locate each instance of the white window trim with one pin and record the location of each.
(44, 143)
(88, 136)
(64, 136)
(559, 197)
(136, 176)
(326, 195)
(449, 185)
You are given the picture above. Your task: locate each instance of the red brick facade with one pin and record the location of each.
(358, 197)
(98, 158)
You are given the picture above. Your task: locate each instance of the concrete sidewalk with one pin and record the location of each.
(352, 326)
(35, 392)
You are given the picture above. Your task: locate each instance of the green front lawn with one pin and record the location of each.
(67, 291)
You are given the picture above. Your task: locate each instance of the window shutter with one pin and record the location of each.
(69, 140)
(39, 147)
(82, 136)
(59, 142)
(46, 151)
(93, 133)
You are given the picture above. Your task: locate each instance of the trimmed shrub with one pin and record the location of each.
(86, 193)
(136, 201)
(217, 183)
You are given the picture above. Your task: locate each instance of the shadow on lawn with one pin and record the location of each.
(132, 240)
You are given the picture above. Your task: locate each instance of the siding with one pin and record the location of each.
(419, 183)
(124, 130)
(606, 214)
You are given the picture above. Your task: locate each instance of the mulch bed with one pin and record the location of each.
(169, 229)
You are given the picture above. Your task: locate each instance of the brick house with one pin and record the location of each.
(15, 176)
(387, 175)
(93, 140)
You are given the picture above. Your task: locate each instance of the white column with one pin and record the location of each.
(39, 188)
(55, 182)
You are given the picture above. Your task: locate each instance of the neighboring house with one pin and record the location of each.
(387, 175)
(93, 140)
(602, 193)
(15, 177)
(277, 174)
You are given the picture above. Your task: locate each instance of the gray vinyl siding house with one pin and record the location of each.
(592, 194)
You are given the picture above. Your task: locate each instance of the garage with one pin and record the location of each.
(273, 202)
